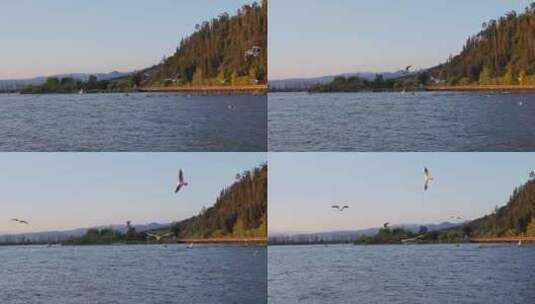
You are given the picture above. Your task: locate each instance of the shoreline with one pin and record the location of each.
(207, 90)
(217, 241)
(212, 90)
(482, 240)
(482, 88)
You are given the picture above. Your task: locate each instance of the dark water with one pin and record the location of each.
(132, 274)
(394, 122)
(138, 122)
(428, 274)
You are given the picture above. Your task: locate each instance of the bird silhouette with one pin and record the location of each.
(159, 237)
(427, 178)
(181, 183)
(339, 208)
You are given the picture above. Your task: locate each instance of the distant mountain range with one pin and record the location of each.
(350, 235)
(55, 236)
(303, 84)
(17, 84)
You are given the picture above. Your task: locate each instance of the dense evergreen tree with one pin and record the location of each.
(502, 53)
(228, 50)
(239, 211)
(516, 218)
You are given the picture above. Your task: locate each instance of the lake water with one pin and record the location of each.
(132, 274)
(425, 121)
(401, 274)
(137, 122)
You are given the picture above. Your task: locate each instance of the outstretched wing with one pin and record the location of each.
(335, 206)
(178, 187)
(345, 207)
(180, 176)
(408, 68)
(426, 172)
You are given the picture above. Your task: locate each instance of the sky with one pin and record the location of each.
(387, 187)
(57, 191)
(47, 37)
(310, 38)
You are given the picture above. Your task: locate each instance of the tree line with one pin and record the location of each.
(228, 50)
(239, 211)
(503, 52)
(516, 218)
(72, 85)
(357, 84)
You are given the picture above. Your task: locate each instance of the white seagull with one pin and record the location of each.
(159, 237)
(181, 183)
(339, 208)
(427, 178)
(19, 221)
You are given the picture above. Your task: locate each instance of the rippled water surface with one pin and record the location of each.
(137, 122)
(132, 274)
(428, 274)
(424, 121)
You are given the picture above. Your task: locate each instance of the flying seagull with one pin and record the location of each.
(19, 221)
(428, 179)
(339, 208)
(158, 237)
(181, 183)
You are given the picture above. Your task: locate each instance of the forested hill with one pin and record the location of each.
(502, 53)
(240, 210)
(517, 218)
(228, 50)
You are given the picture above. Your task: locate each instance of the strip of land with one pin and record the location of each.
(251, 241)
(255, 89)
(484, 88)
(512, 239)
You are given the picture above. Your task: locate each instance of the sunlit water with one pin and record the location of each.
(424, 121)
(132, 274)
(429, 274)
(134, 122)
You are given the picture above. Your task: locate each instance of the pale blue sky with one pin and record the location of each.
(44, 37)
(75, 190)
(309, 38)
(381, 187)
